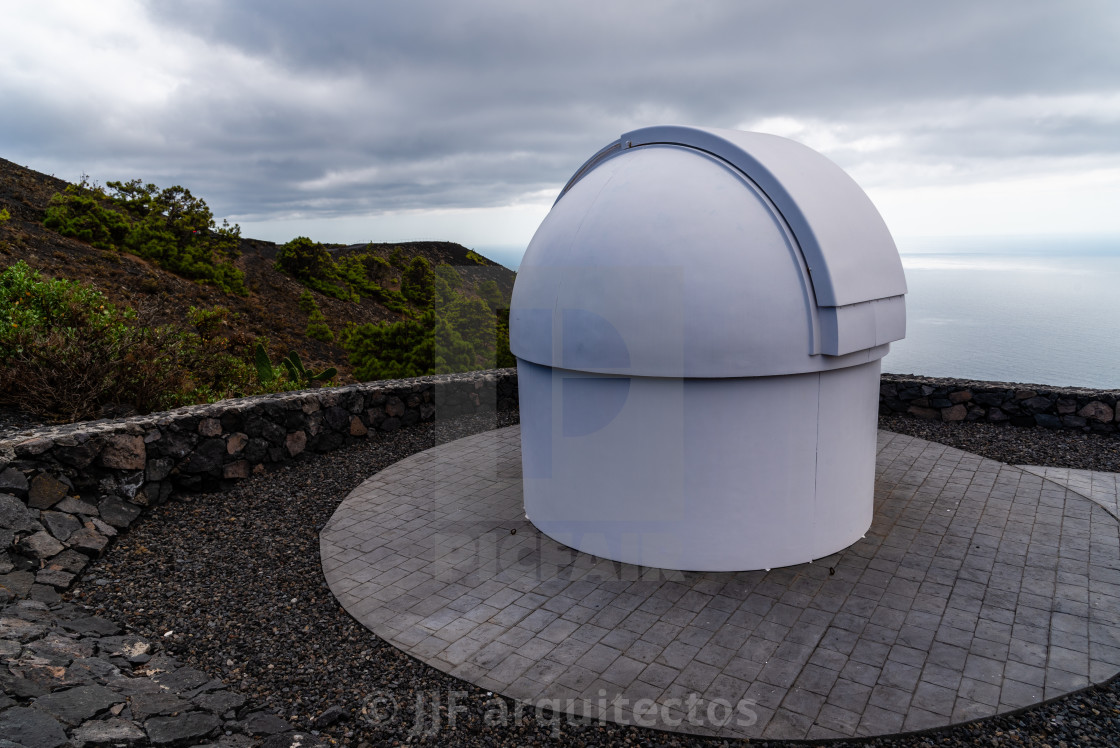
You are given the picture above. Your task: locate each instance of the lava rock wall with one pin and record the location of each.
(1023, 405)
(65, 491)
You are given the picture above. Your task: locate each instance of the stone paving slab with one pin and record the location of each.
(980, 588)
(1102, 488)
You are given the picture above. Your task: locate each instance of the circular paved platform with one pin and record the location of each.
(980, 588)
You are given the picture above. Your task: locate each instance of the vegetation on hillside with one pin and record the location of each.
(171, 227)
(317, 328)
(350, 278)
(66, 352)
(171, 307)
(450, 321)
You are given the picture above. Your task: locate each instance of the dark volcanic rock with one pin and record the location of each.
(118, 513)
(14, 514)
(329, 716)
(60, 525)
(92, 625)
(69, 560)
(207, 456)
(79, 682)
(189, 727)
(156, 704)
(61, 649)
(124, 452)
(159, 468)
(337, 419)
(89, 541)
(182, 680)
(113, 731)
(18, 582)
(75, 705)
(56, 578)
(261, 723)
(31, 728)
(46, 491)
(41, 545)
(12, 480)
(129, 646)
(79, 455)
(76, 506)
(219, 702)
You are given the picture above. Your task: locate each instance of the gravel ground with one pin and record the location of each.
(1016, 446)
(231, 584)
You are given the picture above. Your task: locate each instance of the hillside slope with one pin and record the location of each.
(271, 310)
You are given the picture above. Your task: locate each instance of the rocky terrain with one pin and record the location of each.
(75, 678)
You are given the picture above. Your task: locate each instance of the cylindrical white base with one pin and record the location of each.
(700, 474)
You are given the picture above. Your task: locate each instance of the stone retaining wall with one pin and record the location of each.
(66, 490)
(1001, 402)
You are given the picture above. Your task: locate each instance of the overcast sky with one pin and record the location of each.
(356, 121)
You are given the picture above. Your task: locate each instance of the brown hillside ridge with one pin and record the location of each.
(271, 310)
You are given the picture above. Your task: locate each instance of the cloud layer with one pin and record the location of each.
(276, 108)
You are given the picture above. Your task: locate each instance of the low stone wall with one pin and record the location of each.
(1001, 402)
(66, 490)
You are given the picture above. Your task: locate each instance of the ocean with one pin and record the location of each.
(1036, 310)
(1039, 310)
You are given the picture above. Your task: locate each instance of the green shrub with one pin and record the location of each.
(377, 269)
(446, 325)
(464, 337)
(443, 293)
(86, 213)
(452, 351)
(417, 282)
(503, 358)
(170, 227)
(177, 231)
(5, 216)
(449, 275)
(352, 277)
(65, 351)
(30, 303)
(311, 264)
(392, 351)
(317, 328)
(473, 321)
(208, 322)
(492, 295)
(62, 345)
(305, 260)
(365, 273)
(307, 302)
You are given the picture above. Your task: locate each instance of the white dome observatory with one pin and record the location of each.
(698, 325)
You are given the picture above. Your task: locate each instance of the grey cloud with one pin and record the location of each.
(452, 104)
